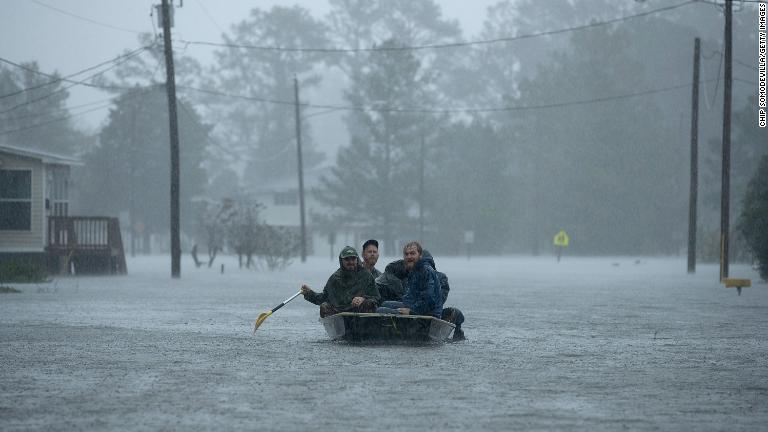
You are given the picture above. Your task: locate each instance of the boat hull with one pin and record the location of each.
(386, 328)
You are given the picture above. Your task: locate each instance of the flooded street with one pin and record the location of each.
(586, 344)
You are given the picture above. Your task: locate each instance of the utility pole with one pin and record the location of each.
(726, 169)
(421, 191)
(132, 177)
(301, 171)
(694, 184)
(170, 86)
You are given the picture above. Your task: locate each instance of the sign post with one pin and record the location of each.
(561, 241)
(469, 238)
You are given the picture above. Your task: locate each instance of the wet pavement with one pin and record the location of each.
(587, 344)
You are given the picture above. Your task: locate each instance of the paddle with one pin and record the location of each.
(264, 315)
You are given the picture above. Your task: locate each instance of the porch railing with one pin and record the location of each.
(92, 243)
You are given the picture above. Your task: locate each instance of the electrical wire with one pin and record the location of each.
(746, 65)
(440, 111)
(71, 115)
(38, 115)
(717, 81)
(443, 45)
(208, 15)
(70, 14)
(230, 152)
(63, 89)
(330, 109)
(743, 81)
(333, 108)
(57, 79)
(739, 62)
(56, 120)
(722, 5)
(152, 20)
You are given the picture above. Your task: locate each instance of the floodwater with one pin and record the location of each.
(586, 344)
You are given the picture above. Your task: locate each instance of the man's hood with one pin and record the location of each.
(426, 256)
(397, 268)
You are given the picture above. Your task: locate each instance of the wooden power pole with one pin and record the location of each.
(694, 184)
(726, 168)
(421, 190)
(170, 86)
(301, 172)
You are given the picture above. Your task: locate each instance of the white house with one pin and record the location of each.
(281, 201)
(35, 226)
(33, 185)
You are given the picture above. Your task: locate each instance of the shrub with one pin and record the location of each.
(8, 290)
(20, 272)
(277, 245)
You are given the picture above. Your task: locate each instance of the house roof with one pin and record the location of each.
(311, 179)
(44, 156)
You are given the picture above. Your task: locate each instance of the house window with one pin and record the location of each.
(286, 198)
(15, 200)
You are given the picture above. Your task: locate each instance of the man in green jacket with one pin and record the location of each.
(351, 288)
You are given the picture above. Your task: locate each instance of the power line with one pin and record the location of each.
(56, 120)
(719, 4)
(70, 14)
(330, 108)
(208, 14)
(57, 79)
(742, 63)
(38, 115)
(443, 45)
(743, 81)
(281, 141)
(443, 111)
(719, 68)
(69, 116)
(33, 115)
(63, 89)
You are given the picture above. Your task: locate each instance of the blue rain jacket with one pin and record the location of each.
(422, 290)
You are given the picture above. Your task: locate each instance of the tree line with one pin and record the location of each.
(583, 130)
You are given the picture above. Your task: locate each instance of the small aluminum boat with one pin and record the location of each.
(387, 328)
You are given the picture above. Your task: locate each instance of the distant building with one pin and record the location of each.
(281, 208)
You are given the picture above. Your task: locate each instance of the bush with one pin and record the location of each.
(708, 246)
(277, 245)
(13, 271)
(8, 290)
(753, 222)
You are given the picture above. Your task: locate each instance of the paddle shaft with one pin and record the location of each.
(284, 303)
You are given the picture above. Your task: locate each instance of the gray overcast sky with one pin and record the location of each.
(70, 35)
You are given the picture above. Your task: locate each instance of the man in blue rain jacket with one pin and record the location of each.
(422, 287)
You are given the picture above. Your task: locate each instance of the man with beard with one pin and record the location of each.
(351, 288)
(390, 285)
(371, 257)
(422, 287)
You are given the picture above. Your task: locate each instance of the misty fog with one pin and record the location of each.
(540, 150)
(556, 115)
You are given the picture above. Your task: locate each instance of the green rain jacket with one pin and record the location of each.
(344, 285)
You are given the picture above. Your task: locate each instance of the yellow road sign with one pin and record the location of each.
(561, 239)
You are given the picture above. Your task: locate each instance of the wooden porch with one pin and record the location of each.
(85, 245)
